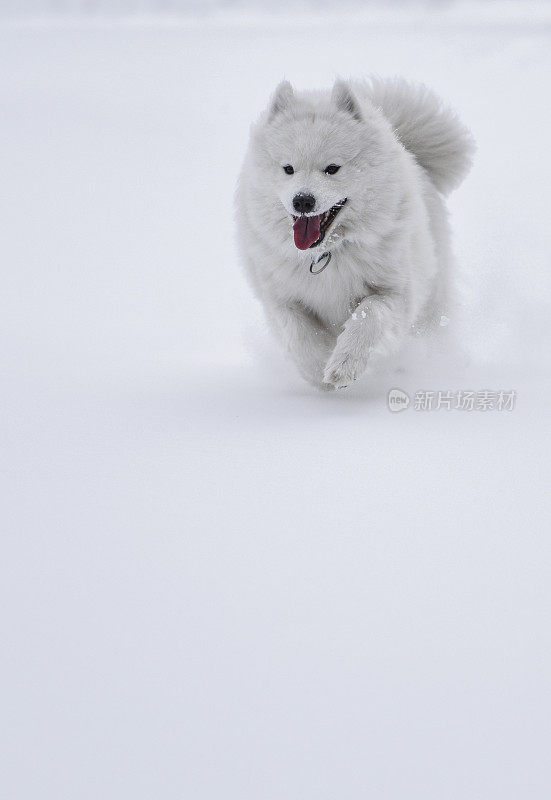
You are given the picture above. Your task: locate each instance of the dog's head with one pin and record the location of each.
(323, 158)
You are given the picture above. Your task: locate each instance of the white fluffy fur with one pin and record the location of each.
(400, 150)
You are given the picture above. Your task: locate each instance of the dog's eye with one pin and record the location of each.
(288, 169)
(331, 169)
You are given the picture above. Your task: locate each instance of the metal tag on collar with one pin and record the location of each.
(326, 256)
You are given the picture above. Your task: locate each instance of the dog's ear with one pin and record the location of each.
(343, 97)
(281, 100)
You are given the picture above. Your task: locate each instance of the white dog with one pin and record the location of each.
(342, 222)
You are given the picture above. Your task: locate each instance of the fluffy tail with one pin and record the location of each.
(442, 145)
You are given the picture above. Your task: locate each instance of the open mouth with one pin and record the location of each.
(310, 231)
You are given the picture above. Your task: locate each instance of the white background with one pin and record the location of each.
(218, 583)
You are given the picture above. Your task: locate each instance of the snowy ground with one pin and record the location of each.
(217, 582)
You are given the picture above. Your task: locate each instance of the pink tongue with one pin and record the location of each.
(307, 231)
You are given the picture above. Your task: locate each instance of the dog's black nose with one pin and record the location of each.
(304, 203)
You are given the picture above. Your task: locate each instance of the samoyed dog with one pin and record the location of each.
(342, 222)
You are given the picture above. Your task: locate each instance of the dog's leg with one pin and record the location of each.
(373, 331)
(305, 338)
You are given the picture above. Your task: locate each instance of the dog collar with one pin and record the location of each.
(326, 256)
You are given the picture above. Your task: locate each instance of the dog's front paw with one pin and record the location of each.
(349, 359)
(342, 370)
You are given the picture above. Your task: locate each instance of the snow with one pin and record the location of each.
(216, 581)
